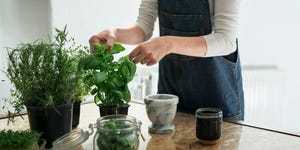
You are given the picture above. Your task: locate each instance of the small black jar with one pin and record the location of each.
(208, 125)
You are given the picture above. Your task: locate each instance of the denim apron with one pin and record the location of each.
(198, 82)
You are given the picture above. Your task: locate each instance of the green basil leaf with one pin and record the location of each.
(124, 70)
(132, 69)
(117, 94)
(108, 58)
(117, 48)
(110, 85)
(126, 94)
(117, 81)
(100, 49)
(99, 77)
(90, 62)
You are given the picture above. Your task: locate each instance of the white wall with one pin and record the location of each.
(269, 32)
(85, 18)
(21, 20)
(269, 35)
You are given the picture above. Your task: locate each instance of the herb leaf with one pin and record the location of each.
(110, 78)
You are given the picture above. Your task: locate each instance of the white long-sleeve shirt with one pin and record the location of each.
(224, 19)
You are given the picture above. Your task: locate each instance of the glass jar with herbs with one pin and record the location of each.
(117, 132)
(113, 132)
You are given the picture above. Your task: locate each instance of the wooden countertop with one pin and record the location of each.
(234, 136)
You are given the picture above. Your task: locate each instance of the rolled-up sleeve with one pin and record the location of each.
(147, 17)
(222, 41)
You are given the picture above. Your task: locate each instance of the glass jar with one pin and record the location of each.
(116, 132)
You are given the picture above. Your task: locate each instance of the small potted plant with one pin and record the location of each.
(81, 88)
(80, 94)
(109, 78)
(44, 82)
(19, 140)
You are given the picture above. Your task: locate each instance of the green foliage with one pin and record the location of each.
(44, 73)
(112, 136)
(108, 78)
(15, 140)
(81, 88)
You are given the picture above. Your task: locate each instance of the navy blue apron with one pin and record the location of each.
(198, 82)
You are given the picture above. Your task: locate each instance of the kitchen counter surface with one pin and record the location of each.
(234, 136)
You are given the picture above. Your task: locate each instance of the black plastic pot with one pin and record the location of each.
(104, 111)
(76, 114)
(52, 122)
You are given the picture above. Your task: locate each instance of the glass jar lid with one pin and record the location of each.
(71, 140)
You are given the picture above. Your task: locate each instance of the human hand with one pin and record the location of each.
(105, 37)
(151, 52)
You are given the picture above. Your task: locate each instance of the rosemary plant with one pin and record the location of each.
(44, 73)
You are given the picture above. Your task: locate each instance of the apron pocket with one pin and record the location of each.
(183, 23)
(231, 59)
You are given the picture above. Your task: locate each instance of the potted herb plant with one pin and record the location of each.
(19, 140)
(44, 82)
(80, 94)
(81, 88)
(109, 78)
